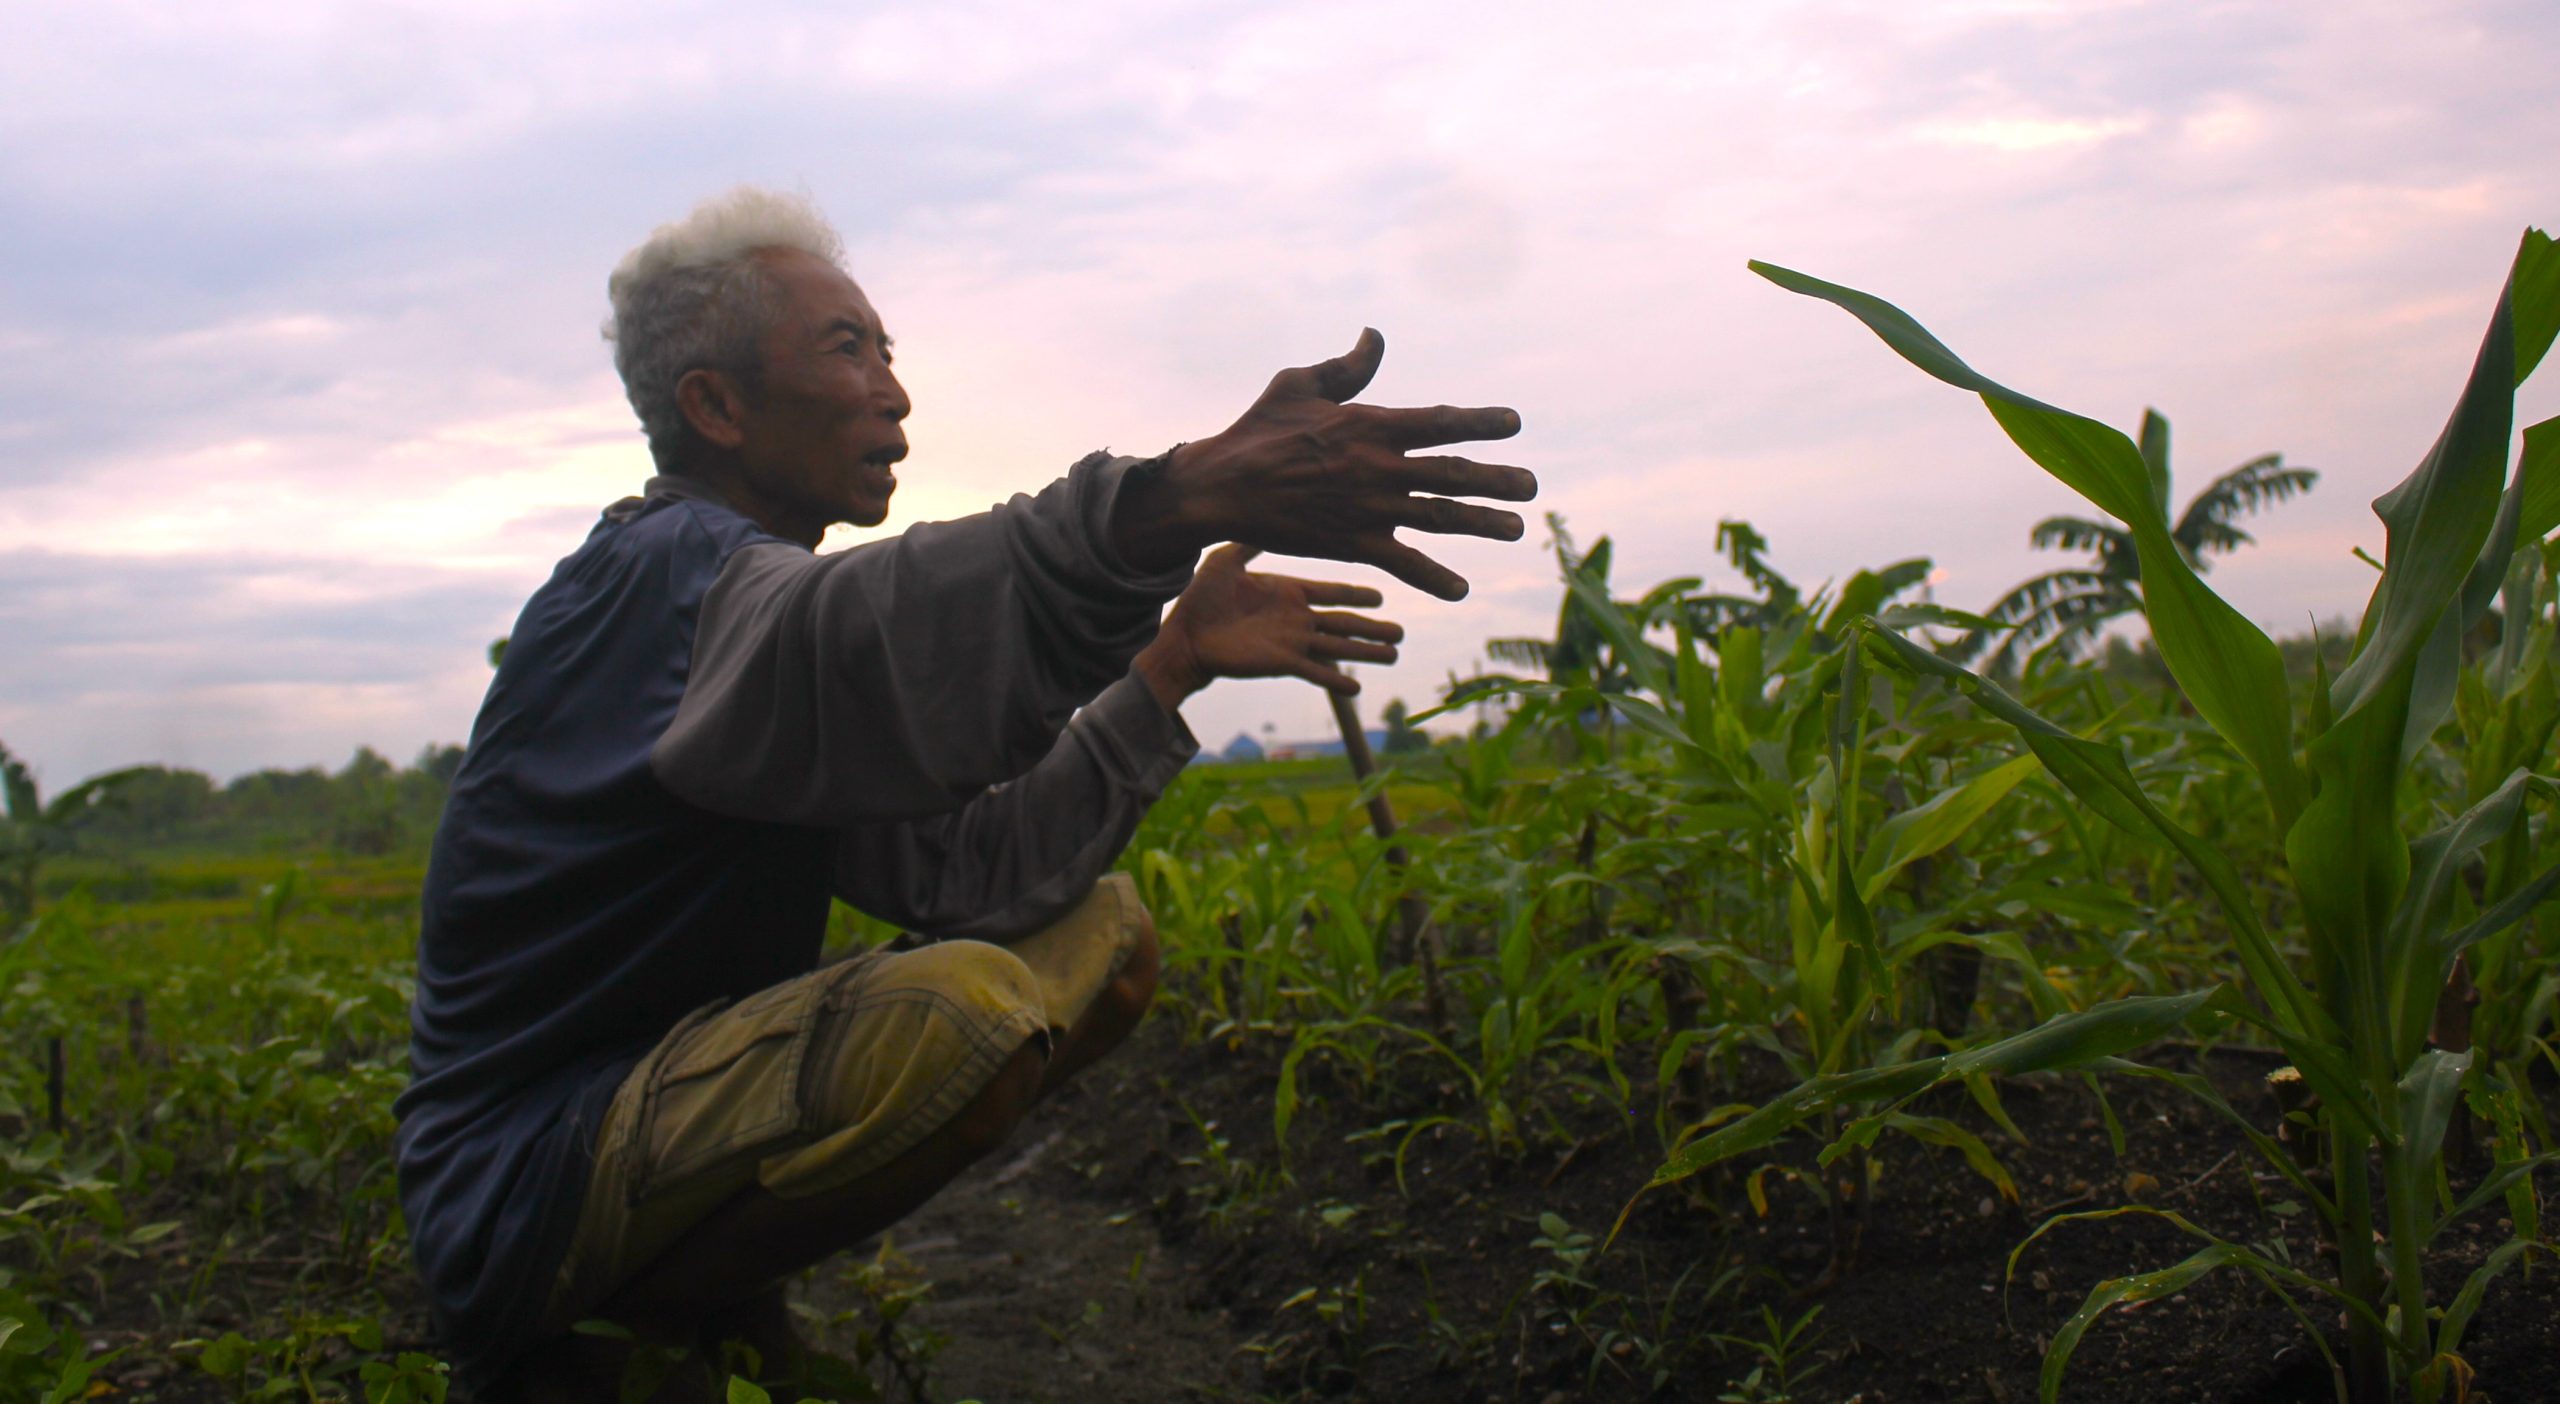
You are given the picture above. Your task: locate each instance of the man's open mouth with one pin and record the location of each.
(885, 455)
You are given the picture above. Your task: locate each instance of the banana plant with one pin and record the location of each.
(32, 830)
(2375, 905)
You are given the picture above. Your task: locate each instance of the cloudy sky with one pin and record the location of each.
(301, 390)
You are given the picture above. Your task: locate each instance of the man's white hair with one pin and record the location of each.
(694, 297)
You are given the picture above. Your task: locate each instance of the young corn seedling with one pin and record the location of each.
(2376, 906)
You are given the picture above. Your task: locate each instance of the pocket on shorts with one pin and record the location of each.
(727, 1085)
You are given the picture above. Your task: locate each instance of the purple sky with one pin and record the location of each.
(301, 390)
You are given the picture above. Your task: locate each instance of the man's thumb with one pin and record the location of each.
(1348, 374)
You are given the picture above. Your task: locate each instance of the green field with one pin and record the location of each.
(1749, 933)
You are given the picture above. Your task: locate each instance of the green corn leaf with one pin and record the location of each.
(1921, 933)
(1938, 1131)
(32, 1343)
(1740, 673)
(2538, 470)
(1855, 924)
(1590, 589)
(2167, 1282)
(2227, 666)
(1652, 718)
(2432, 683)
(2350, 865)
(1284, 1097)
(2418, 965)
(2466, 1303)
(2497, 1182)
(2141, 1287)
(2429, 1093)
(1926, 828)
(2537, 299)
(73, 1383)
(1867, 591)
(2101, 1031)
(2517, 905)
(2435, 523)
(2098, 775)
(2439, 669)
(1852, 925)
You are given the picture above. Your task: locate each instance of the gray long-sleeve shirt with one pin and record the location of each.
(699, 733)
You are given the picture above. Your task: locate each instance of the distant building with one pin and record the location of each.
(1332, 745)
(1245, 749)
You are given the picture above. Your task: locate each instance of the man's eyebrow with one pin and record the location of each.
(851, 327)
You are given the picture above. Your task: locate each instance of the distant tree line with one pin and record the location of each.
(367, 806)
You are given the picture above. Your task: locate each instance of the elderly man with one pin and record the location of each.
(637, 1094)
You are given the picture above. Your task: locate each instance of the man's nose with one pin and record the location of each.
(895, 404)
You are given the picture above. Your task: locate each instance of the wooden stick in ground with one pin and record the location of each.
(1412, 919)
(53, 1082)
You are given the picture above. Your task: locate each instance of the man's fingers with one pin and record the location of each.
(1404, 429)
(1351, 650)
(1359, 626)
(1231, 556)
(1337, 592)
(1414, 568)
(1348, 374)
(1464, 477)
(1449, 517)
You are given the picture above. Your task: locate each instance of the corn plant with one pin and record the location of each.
(1840, 800)
(2506, 710)
(2375, 906)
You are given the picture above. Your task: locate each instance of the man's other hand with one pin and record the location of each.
(1237, 623)
(1305, 472)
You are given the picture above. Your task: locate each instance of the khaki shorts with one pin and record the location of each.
(816, 1082)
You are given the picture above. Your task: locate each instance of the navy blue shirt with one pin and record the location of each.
(577, 906)
(574, 911)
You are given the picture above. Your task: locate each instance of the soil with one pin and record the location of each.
(1144, 1239)
(1148, 1241)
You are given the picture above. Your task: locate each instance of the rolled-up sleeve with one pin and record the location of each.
(1021, 855)
(902, 678)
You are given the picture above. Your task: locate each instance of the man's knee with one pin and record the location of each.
(1134, 987)
(1137, 974)
(989, 1118)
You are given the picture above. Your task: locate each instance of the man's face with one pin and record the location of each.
(822, 425)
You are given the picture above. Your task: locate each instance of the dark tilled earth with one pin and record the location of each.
(1143, 1240)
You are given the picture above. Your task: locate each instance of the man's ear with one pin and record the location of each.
(711, 403)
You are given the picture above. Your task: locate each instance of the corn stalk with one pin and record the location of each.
(2376, 905)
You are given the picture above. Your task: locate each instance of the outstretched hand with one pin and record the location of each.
(1305, 472)
(1237, 623)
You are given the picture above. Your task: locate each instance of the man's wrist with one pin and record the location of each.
(1163, 517)
(1169, 671)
